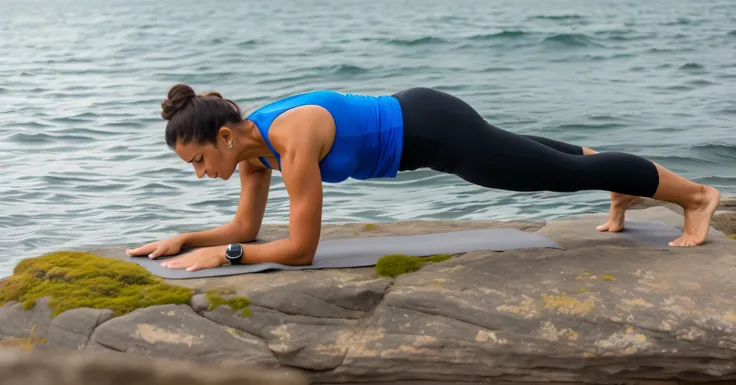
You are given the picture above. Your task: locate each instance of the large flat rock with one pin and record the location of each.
(602, 310)
(176, 331)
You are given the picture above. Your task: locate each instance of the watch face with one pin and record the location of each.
(234, 251)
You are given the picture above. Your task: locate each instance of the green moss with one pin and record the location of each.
(393, 265)
(78, 279)
(732, 236)
(607, 278)
(582, 290)
(29, 304)
(214, 297)
(439, 257)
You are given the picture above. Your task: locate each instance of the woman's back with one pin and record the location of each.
(368, 132)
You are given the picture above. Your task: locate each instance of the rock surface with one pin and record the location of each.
(602, 311)
(84, 368)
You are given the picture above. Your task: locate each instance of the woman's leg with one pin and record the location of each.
(701, 208)
(445, 134)
(619, 202)
(567, 148)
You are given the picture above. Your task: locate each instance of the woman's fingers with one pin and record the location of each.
(177, 263)
(160, 250)
(194, 267)
(145, 249)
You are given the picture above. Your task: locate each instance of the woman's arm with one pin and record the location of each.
(300, 150)
(255, 184)
(301, 136)
(254, 187)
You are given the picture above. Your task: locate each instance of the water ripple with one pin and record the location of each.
(572, 40)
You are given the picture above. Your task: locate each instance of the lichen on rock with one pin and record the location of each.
(393, 265)
(80, 279)
(568, 305)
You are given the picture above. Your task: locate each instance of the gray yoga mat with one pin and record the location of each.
(655, 235)
(365, 251)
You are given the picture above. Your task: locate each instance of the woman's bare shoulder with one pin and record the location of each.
(308, 125)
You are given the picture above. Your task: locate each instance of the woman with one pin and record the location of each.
(326, 136)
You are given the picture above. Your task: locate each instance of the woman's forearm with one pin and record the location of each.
(223, 235)
(254, 188)
(284, 251)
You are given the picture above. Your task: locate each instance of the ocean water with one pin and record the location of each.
(84, 162)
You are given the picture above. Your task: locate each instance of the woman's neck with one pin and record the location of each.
(251, 143)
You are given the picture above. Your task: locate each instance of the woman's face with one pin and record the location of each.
(214, 161)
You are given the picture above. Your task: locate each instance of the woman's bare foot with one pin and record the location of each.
(698, 217)
(617, 214)
(699, 202)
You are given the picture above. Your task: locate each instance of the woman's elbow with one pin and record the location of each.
(303, 256)
(245, 233)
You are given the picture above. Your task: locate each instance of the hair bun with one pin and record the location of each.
(213, 93)
(178, 97)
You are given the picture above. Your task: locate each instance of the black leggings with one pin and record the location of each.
(445, 134)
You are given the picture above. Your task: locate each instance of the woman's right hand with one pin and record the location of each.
(156, 249)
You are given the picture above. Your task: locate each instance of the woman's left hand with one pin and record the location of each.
(202, 258)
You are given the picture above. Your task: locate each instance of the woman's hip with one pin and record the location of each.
(437, 127)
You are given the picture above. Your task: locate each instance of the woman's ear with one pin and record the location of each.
(226, 135)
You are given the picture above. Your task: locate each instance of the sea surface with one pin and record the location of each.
(83, 161)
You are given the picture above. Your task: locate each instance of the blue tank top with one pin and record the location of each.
(368, 133)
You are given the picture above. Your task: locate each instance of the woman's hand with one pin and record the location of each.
(202, 258)
(156, 249)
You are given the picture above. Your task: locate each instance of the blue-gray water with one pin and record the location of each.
(84, 163)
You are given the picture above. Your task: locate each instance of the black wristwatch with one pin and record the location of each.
(234, 253)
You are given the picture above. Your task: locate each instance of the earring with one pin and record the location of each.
(230, 144)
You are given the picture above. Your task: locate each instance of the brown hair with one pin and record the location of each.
(196, 117)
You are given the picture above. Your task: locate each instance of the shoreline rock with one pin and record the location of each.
(602, 311)
(63, 367)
